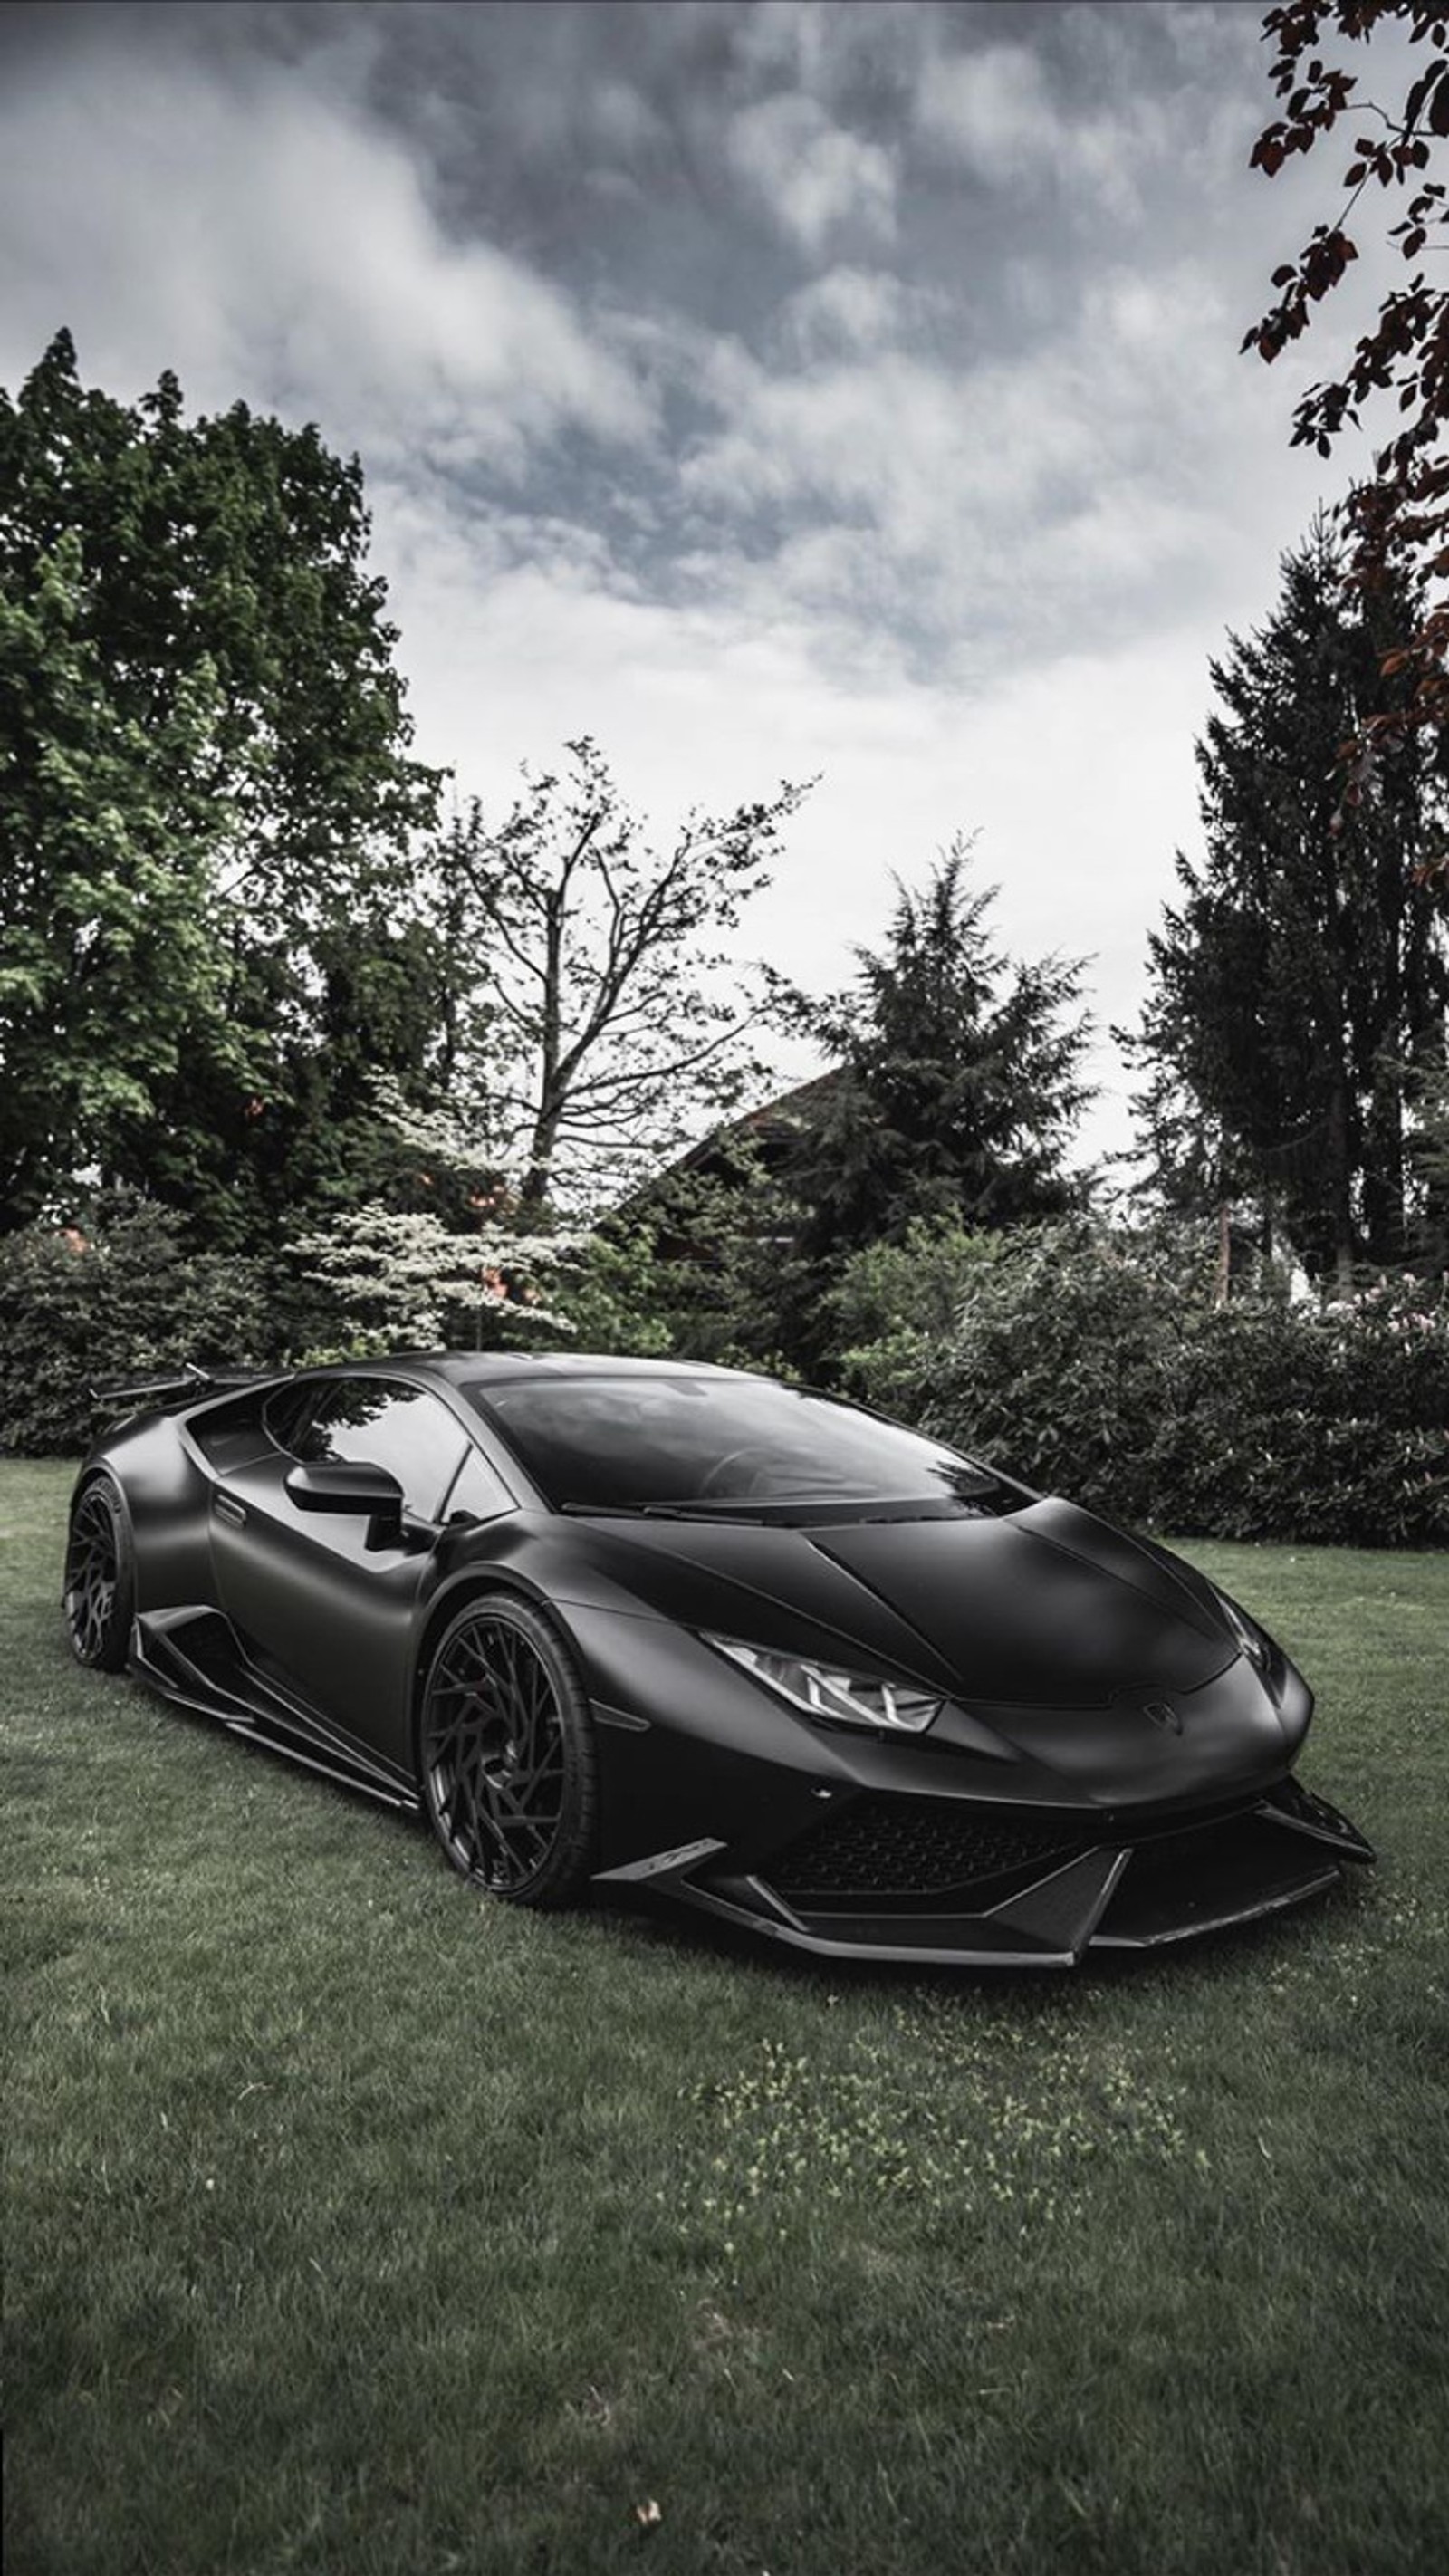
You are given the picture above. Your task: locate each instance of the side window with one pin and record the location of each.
(390, 1425)
(479, 1494)
(285, 1416)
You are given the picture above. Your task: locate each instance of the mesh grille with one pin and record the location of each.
(914, 1847)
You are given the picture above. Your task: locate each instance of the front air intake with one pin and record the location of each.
(913, 1847)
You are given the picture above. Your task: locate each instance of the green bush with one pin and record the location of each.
(611, 1294)
(120, 1299)
(117, 1301)
(1327, 1427)
(1093, 1364)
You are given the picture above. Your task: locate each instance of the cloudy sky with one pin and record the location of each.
(766, 387)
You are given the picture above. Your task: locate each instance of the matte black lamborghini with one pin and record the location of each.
(616, 1621)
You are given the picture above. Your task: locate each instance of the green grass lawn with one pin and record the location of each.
(358, 2225)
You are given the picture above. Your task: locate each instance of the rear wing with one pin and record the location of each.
(185, 1386)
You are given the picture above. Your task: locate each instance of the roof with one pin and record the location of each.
(774, 1118)
(773, 1123)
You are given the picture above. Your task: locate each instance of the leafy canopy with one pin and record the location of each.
(206, 787)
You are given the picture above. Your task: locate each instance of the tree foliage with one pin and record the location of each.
(1399, 517)
(958, 1083)
(1299, 988)
(109, 974)
(206, 790)
(602, 1033)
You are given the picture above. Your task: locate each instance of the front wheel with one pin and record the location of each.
(100, 1577)
(507, 1755)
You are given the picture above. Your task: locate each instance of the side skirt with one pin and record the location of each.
(193, 1658)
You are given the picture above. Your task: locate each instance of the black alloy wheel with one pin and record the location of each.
(100, 1581)
(506, 1747)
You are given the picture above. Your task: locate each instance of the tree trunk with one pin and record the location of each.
(1222, 1275)
(1383, 1188)
(534, 1193)
(1339, 1185)
(550, 1100)
(1387, 1042)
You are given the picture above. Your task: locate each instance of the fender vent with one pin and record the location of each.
(915, 1847)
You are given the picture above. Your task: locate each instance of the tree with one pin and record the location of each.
(1399, 519)
(604, 1033)
(206, 791)
(1303, 978)
(958, 1084)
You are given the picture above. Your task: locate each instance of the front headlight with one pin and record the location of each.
(823, 1690)
(1255, 1645)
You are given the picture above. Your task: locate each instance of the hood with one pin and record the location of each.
(1049, 1607)
(1046, 1608)
(1098, 1667)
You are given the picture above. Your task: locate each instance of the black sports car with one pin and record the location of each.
(639, 1622)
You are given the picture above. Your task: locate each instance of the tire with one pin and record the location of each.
(100, 1577)
(506, 1755)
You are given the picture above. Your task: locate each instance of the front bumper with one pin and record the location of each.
(1040, 1898)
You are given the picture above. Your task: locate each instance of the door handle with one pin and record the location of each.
(225, 1509)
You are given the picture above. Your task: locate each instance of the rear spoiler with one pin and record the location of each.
(189, 1385)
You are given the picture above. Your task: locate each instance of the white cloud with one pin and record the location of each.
(991, 109)
(623, 121)
(812, 176)
(849, 309)
(878, 475)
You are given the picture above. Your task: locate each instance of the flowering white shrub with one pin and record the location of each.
(392, 1275)
(405, 1278)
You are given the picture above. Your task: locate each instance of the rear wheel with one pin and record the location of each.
(100, 1576)
(507, 1755)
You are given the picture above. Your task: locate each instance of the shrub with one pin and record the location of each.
(117, 1301)
(1059, 1363)
(1322, 1426)
(121, 1300)
(1092, 1364)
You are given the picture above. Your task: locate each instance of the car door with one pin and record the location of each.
(319, 1604)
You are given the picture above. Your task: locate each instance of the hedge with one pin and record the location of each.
(1083, 1363)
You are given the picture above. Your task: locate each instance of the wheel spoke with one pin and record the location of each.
(92, 1573)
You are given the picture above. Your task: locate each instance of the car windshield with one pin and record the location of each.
(703, 1445)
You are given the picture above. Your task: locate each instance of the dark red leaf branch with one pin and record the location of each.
(1398, 519)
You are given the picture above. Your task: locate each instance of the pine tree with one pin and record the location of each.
(1303, 976)
(958, 1084)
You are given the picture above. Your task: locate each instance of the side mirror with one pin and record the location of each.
(349, 1485)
